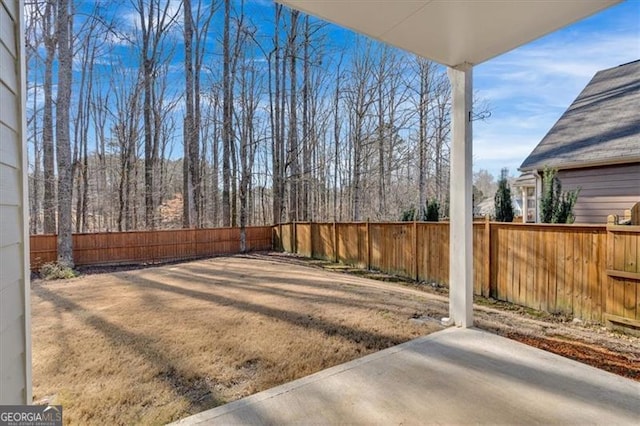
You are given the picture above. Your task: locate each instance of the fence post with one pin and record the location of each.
(368, 240)
(635, 214)
(415, 250)
(294, 246)
(335, 241)
(486, 288)
(311, 239)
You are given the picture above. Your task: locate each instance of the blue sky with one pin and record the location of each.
(529, 88)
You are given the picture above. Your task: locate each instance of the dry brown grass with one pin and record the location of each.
(155, 345)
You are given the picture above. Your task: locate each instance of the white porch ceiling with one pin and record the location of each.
(452, 31)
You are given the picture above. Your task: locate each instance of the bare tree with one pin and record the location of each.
(155, 18)
(277, 118)
(50, 43)
(360, 98)
(425, 76)
(227, 105)
(292, 151)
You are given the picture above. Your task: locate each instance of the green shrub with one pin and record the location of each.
(432, 213)
(56, 271)
(556, 206)
(408, 215)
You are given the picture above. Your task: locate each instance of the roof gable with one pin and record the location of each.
(602, 126)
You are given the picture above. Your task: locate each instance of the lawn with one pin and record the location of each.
(157, 344)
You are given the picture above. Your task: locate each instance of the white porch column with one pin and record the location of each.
(460, 206)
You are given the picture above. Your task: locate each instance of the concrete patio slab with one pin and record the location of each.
(455, 376)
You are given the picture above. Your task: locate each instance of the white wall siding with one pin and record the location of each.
(604, 190)
(15, 329)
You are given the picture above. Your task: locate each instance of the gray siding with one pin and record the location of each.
(604, 190)
(15, 340)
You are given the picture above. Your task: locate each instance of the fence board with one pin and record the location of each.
(303, 239)
(479, 258)
(352, 243)
(287, 237)
(558, 268)
(322, 237)
(433, 249)
(109, 248)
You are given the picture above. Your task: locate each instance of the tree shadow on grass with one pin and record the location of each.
(368, 339)
(293, 290)
(195, 389)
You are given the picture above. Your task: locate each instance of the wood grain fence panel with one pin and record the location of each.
(561, 260)
(401, 243)
(433, 252)
(287, 237)
(480, 257)
(569, 277)
(352, 243)
(552, 282)
(377, 238)
(601, 290)
(576, 288)
(276, 237)
(322, 241)
(543, 273)
(617, 301)
(591, 276)
(43, 249)
(513, 272)
(149, 246)
(422, 253)
(530, 259)
(204, 245)
(498, 259)
(259, 238)
(362, 245)
(522, 253)
(303, 239)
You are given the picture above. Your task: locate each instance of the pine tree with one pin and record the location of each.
(503, 205)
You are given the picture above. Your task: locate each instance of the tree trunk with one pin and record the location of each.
(188, 178)
(63, 144)
(49, 206)
(294, 180)
(226, 118)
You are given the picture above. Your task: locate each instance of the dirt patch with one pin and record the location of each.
(599, 357)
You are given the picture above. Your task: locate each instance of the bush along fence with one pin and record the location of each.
(110, 248)
(590, 272)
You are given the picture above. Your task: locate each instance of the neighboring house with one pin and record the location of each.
(595, 145)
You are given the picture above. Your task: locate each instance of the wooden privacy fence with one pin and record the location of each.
(589, 271)
(150, 246)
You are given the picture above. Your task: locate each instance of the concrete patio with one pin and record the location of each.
(456, 376)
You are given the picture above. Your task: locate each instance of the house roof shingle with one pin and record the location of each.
(601, 126)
